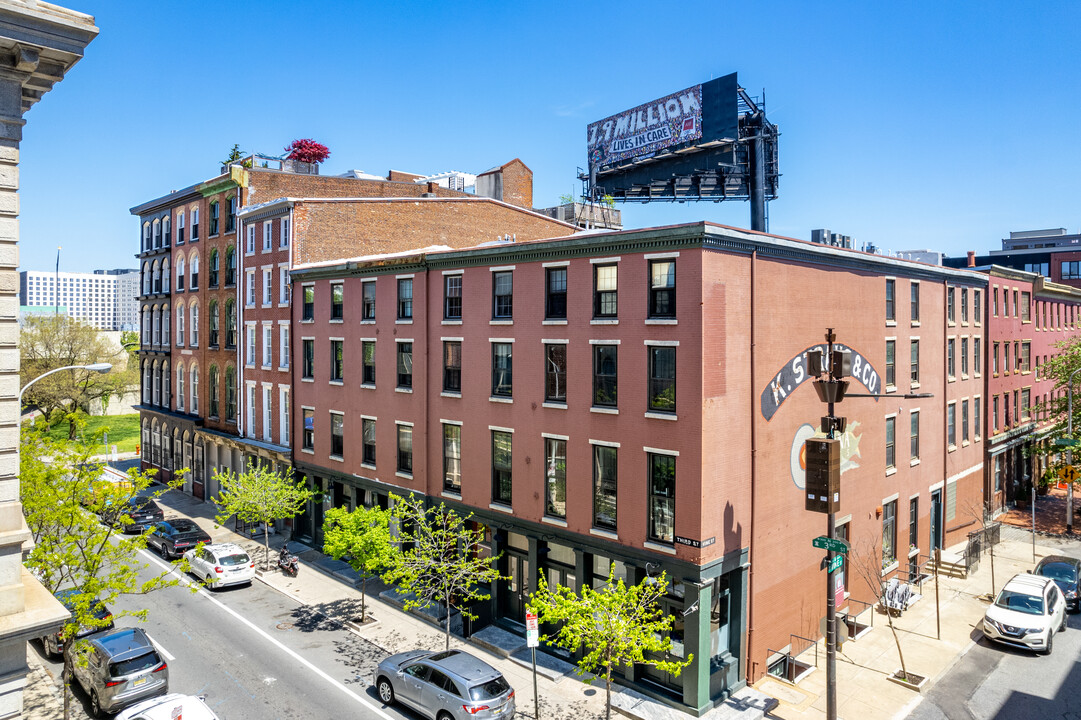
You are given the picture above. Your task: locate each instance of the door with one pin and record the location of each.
(411, 688)
(672, 608)
(936, 520)
(513, 590)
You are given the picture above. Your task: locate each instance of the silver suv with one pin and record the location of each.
(450, 685)
(118, 669)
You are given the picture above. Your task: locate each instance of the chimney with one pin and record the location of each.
(432, 186)
(972, 258)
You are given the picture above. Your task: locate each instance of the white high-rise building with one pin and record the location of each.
(106, 299)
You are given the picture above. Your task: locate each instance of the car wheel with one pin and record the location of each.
(1050, 643)
(1063, 625)
(95, 704)
(386, 691)
(164, 552)
(444, 716)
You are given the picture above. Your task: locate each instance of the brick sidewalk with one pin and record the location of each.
(1050, 514)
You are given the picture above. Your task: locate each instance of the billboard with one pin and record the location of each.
(645, 129)
(708, 142)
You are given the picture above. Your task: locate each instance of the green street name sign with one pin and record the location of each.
(1067, 442)
(827, 544)
(836, 562)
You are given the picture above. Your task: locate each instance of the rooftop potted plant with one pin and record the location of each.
(304, 156)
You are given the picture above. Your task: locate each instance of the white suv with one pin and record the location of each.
(1027, 613)
(221, 564)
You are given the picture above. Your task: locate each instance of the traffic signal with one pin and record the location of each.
(823, 476)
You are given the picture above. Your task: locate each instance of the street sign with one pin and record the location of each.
(830, 544)
(532, 631)
(1067, 442)
(1068, 473)
(839, 589)
(838, 561)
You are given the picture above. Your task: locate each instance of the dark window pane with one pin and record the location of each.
(502, 369)
(556, 293)
(662, 288)
(501, 467)
(452, 300)
(604, 487)
(662, 498)
(662, 379)
(604, 375)
(555, 373)
(452, 367)
(405, 365)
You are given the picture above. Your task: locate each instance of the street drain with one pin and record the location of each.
(284, 626)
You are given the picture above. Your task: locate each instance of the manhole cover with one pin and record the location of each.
(285, 626)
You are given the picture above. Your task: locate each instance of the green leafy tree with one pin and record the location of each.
(443, 562)
(260, 495)
(234, 155)
(50, 342)
(616, 624)
(62, 494)
(362, 538)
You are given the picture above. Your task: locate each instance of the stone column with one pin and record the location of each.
(38, 44)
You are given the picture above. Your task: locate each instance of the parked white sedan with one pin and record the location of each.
(221, 564)
(1027, 613)
(169, 707)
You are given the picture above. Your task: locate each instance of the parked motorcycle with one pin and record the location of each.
(288, 563)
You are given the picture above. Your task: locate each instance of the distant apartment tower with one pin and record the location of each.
(105, 299)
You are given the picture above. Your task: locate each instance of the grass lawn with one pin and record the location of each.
(123, 430)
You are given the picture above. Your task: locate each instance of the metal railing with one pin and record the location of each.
(804, 644)
(863, 608)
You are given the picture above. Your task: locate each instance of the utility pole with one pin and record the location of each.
(823, 484)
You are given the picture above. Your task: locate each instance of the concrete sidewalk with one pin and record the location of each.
(864, 691)
(328, 593)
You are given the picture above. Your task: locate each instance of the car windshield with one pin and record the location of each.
(134, 665)
(1059, 571)
(237, 559)
(1020, 602)
(189, 536)
(185, 527)
(489, 690)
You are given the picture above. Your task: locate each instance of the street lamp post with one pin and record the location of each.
(835, 366)
(94, 367)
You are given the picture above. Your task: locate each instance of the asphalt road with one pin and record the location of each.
(256, 653)
(996, 681)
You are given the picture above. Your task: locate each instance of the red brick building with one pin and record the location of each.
(1027, 316)
(637, 398)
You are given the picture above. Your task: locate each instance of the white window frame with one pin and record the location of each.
(268, 286)
(249, 415)
(249, 247)
(283, 345)
(283, 242)
(283, 285)
(249, 290)
(250, 340)
(268, 408)
(268, 344)
(283, 415)
(268, 242)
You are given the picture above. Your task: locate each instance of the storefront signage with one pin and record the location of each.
(695, 543)
(793, 373)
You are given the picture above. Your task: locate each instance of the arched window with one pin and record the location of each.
(156, 273)
(230, 214)
(178, 450)
(194, 271)
(166, 447)
(146, 324)
(156, 372)
(155, 449)
(194, 407)
(180, 273)
(230, 323)
(167, 230)
(212, 280)
(180, 387)
(145, 445)
(146, 383)
(195, 223)
(230, 266)
(146, 236)
(165, 275)
(230, 394)
(147, 278)
(166, 324)
(166, 385)
(212, 322)
(193, 329)
(213, 230)
(155, 337)
(197, 460)
(212, 379)
(179, 228)
(157, 233)
(180, 312)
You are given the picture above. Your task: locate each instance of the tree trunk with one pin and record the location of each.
(363, 592)
(65, 675)
(266, 544)
(897, 641)
(608, 692)
(448, 621)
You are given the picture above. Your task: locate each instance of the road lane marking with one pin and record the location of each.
(288, 651)
(161, 649)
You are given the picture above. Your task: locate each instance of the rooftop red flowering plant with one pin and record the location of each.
(307, 150)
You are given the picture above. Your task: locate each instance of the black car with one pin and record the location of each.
(54, 642)
(173, 538)
(142, 511)
(1066, 572)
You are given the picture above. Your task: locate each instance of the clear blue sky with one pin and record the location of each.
(938, 125)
